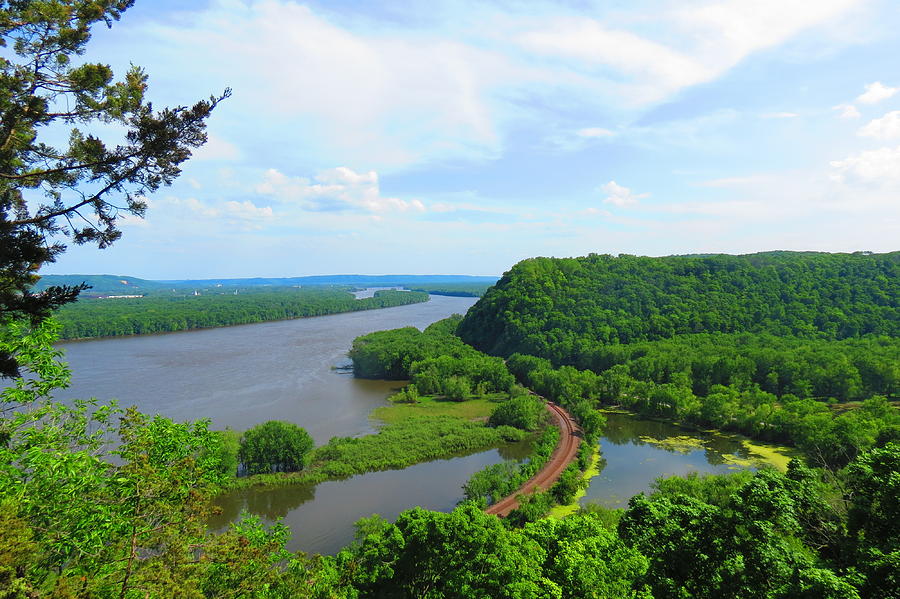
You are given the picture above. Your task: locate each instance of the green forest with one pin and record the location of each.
(563, 309)
(791, 347)
(140, 316)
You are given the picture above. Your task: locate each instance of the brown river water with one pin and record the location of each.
(242, 375)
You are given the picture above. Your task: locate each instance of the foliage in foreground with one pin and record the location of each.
(59, 177)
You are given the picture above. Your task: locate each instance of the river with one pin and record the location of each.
(243, 375)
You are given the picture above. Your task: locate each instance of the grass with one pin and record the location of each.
(410, 433)
(474, 410)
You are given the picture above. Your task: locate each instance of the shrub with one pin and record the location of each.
(275, 446)
(457, 388)
(226, 451)
(525, 412)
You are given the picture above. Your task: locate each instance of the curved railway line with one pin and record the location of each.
(564, 453)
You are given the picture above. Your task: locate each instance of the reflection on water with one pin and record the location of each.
(322, 517)
(630, 462)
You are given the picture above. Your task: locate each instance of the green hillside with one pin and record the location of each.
(560, 308)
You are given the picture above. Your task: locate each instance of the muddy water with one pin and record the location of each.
(243, 375)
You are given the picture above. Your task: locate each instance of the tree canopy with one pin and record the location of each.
(78, 190)
(562, 309)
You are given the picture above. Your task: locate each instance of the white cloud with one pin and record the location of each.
(329, 86)
(246, 211)
(872, 166)
(335, 190)
(876, 92)
(594, 132)
(848, 111)
(706, 41)
(887, 127)
(243, 215)
(217, 148)
(590, 43)
(618, 195)
(729, 30)
(365, 96)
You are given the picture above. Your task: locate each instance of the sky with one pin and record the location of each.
(460, 137)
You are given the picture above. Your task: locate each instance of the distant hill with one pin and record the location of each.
(104, 284)
(353, 280)
(126, 285)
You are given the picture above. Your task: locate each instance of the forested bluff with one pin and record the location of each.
(799, 348)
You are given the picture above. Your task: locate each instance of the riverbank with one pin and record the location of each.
(593, 469)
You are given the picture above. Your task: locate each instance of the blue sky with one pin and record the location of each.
(461, 137)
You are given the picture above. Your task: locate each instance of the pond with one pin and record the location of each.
(635, 452)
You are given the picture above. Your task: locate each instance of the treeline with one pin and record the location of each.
(562, 309)
(846, 370)
(455, 289)
(139, 316)
(435, 360)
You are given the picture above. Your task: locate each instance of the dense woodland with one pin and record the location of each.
(435, 360)
(101, 502)
(789, 347)
(139, 316)
(564, 309)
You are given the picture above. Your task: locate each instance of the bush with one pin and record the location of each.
(568, 485)
(457, 388)
(275, 446)
(226, 451)
(410, 394)
(525, 412)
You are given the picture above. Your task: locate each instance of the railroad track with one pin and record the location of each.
(564, 453)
